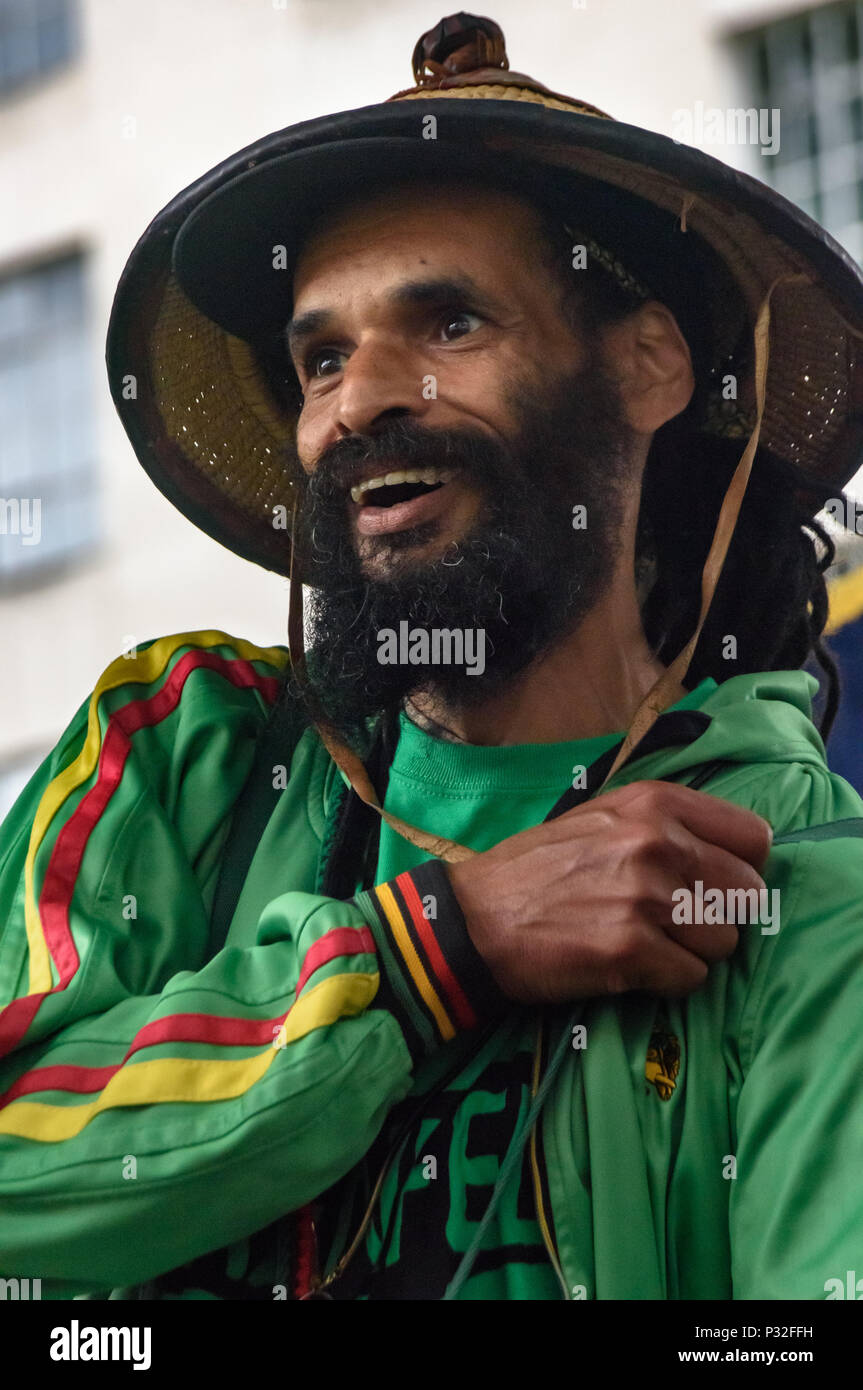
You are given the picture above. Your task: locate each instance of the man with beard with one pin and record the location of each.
(502, 550)
(408, 1009)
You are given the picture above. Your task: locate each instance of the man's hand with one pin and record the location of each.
(582, 905)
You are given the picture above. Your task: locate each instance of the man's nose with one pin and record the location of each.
(380, 379)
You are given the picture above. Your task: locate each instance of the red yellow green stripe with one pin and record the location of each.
(401, 937)
(456, 997)
(215, 1029)
(193, 1079)
(47, 925)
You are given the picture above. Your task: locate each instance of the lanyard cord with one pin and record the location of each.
(536, 1175)
(513, 1158)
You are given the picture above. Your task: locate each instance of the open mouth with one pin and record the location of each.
(404, 485)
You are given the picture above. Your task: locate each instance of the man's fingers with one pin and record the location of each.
(674, 905)
(668, 969)
(706, 869)
(607, 897)
(733, 828)
(710, 942)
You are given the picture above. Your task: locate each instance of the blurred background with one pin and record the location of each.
(108, 108)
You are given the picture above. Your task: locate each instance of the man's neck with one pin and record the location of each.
(589, 683)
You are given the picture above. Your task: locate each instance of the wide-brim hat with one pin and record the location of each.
(195, 350)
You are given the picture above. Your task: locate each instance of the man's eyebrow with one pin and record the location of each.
(303, 326)
(444, 291)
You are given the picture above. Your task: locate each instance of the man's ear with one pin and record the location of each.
(653, 364)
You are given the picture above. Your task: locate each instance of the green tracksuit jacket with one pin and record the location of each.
(165, 1093)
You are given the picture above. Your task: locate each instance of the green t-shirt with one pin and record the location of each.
(443, 1170)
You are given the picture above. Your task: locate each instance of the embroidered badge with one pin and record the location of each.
(663, 1062)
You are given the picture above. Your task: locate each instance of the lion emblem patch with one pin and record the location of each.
(663, 1062)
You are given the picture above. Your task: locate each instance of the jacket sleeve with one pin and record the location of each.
(162, 1095)
(796, 1204)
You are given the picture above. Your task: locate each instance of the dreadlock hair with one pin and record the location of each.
(770, 606)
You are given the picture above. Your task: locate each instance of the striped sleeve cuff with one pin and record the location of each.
(432, 978)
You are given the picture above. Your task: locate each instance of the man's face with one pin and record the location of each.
(435, 305)
(428, 336)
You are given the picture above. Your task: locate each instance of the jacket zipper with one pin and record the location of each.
(535, 1173)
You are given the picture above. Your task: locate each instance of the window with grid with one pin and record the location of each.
(809, 66)
(35, 37)
(48, 478)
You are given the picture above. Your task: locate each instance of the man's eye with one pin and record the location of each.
(463, 321)
(315, 359)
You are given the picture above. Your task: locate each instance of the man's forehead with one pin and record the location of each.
(435, 213)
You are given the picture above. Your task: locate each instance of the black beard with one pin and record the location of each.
(523, 574)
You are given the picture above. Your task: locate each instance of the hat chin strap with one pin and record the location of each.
(669, 687)
(667, 690)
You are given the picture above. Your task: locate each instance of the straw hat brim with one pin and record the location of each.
(192, 340)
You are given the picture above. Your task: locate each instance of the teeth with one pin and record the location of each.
(403, 475)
